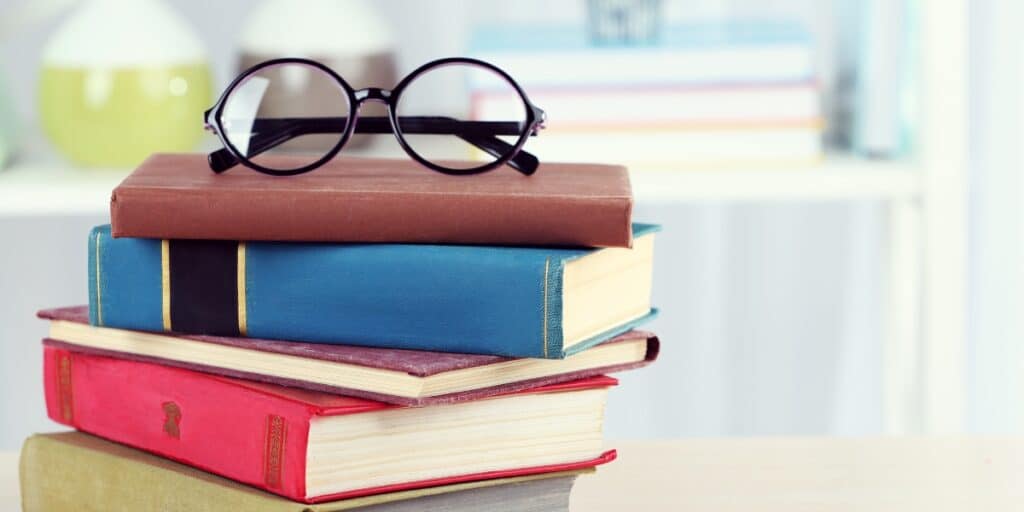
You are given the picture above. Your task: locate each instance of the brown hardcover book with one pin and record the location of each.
(375, 200)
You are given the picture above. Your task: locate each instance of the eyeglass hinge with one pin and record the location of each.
(539, 125)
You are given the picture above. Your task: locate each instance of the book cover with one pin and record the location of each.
(263, 435)
(76, 471)
(402, 377)
(561, 56)
(507, 301)
(176, 196)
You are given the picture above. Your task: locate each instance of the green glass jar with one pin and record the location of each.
(122, 79)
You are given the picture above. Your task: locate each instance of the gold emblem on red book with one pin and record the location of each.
(172, 419)
(67, 411)
(274, 451)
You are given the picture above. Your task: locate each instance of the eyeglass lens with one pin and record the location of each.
(443, 94)
(293, 108)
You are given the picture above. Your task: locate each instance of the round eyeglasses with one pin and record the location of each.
(302, 108)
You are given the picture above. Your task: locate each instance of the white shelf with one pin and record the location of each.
(838, 178)
(43, 185)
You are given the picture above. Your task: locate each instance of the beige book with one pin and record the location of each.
(76, 471)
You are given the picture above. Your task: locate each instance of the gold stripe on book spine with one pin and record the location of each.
(99, 293)
(165, 281)
(242, 326)
(544, 328)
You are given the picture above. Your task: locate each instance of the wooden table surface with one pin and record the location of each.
(785, 475)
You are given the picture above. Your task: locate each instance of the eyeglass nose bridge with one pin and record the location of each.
(373, 94)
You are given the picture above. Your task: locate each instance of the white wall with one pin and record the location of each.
(996, 324)
(42, 264)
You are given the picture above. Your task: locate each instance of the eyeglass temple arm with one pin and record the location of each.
(270, 133)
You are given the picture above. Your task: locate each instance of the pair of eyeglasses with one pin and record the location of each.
(301, 107)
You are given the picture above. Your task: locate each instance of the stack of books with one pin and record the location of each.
(706, 96)
(370, 334)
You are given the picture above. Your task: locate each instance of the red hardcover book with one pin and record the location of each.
(375, 200)
(313, 447)
(403, 377)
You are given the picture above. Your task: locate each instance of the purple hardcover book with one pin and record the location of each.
(404, 377)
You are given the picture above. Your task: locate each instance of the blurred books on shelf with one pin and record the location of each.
(707, 96)
(884, 80)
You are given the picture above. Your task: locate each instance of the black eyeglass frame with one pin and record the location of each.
(506, 153)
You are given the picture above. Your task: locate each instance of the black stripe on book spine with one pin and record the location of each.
(204, 287)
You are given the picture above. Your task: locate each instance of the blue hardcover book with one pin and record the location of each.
(508, 301)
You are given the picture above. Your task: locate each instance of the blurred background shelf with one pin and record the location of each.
(45, 185)
(837, 178)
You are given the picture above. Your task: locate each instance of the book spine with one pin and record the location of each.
(482, 300)
(203, 421)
